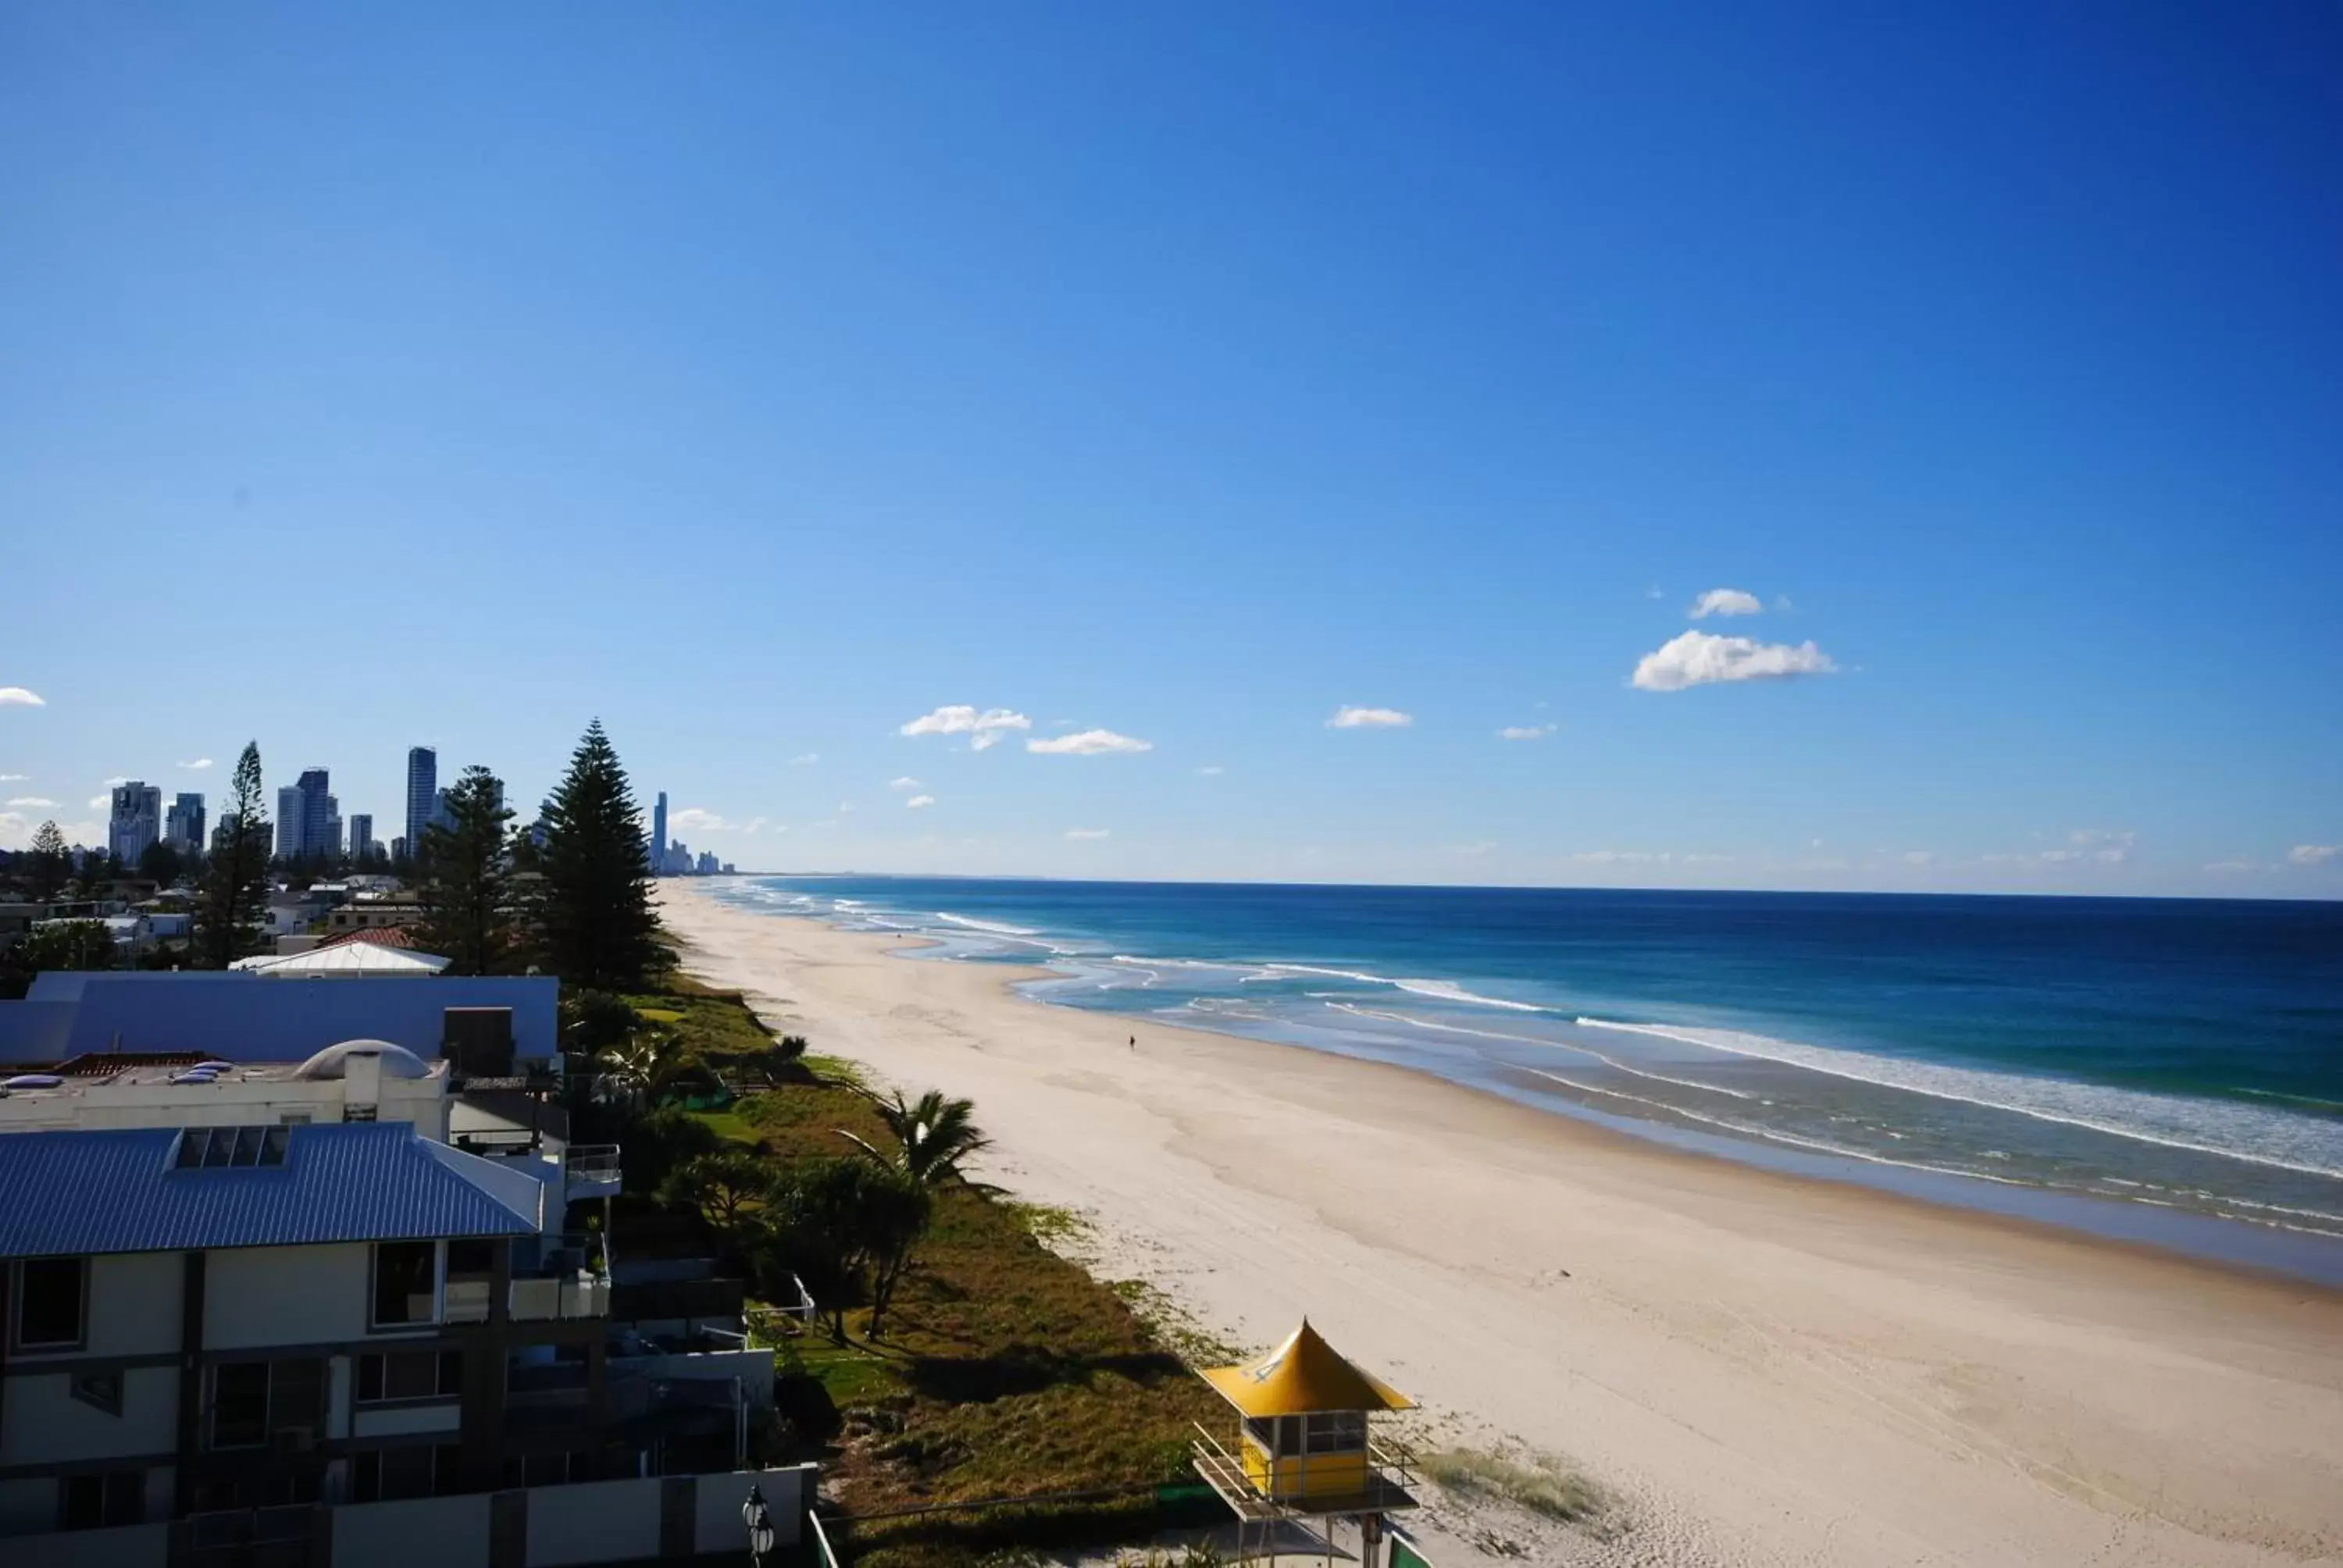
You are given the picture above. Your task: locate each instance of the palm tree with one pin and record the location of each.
(933, 1135)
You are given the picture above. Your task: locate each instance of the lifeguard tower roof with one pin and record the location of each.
(1304, 1376)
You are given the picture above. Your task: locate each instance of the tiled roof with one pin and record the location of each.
(381, 936)
(116, 1191)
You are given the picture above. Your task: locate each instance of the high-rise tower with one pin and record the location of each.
(658, 836)
(422, 792)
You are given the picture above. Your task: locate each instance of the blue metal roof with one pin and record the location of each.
(117, 1192)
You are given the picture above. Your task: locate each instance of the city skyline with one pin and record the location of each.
(1498, 450)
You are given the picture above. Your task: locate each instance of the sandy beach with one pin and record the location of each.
(1762, 1369)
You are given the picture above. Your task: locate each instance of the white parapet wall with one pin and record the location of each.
(593, 1522)
(439, 1531)
(128, 1546)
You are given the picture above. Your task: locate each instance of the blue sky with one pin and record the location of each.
(765, 378)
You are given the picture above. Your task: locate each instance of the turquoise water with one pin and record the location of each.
(2167, 1070)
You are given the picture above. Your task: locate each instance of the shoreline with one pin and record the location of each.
(1764, 1367)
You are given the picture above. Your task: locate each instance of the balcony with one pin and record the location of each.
(1374, 1478)
(554, 1278)
(591, 1170)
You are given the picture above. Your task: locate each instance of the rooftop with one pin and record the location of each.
(127, 1191)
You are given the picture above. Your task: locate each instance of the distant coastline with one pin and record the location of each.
(2251, 1178)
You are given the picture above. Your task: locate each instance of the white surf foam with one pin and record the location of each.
(1587, 1051)
(1443, 991)
(992, 927)
(2245, 1133)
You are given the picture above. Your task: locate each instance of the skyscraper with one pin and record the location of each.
(320, 834)
(183, 825)
(422, 791)
(658, 836)
(289, 821)
(136, 821)
(361, 835)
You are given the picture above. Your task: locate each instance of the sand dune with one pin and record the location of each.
(1764, 1370)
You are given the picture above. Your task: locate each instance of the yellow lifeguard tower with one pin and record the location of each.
(1304, 1446)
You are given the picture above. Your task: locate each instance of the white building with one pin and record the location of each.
(136, 822)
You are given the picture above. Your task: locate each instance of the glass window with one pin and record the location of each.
(240, 1404)
(382, 1474)
(471, 1257)
(97, 1501)
(297, 1393)
(1340, 1432)
(49, 1292)
(406, 1283)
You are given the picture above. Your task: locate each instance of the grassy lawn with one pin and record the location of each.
(1006, 1370)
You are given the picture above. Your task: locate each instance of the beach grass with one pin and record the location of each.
(1543, 1486)
(1007, 1371)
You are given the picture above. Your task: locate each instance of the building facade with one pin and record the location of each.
(361, 835)
(422, 793)
(136, 821)
(289, 821)
(658, 836)
(183, 825)
(320, 830)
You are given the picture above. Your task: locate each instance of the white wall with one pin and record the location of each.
(27, 1507)
(403, 1419)
(257, 1296)
(133, 1303)
(718, 1525)
(42, 1423)
(130, 1546)
(442, 1531)
(596, 1522)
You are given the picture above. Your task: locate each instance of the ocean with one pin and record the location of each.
(2168, 1072)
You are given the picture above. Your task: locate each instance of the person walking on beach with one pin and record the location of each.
(1134, 1043)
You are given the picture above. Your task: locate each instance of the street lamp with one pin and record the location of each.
(759, 1521)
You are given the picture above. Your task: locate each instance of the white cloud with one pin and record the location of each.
(905, 782)
(2110, 848)
(1212, 771)
(1352, 717)
(17, 697)
(1525, 732)
(1621, 858)
(1703, 658)
(918, 801)
(984, 730)
(2313, 854)
(757, 825)
(199, 764)
(846, 805)
(1087, 832)
(805, 760)
(13, 777)
(1089, 743)
(35, 802)
(698, 820)
(117, 779)
(100, 802)
(1726, 601)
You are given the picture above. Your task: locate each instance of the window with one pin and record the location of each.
(97, 1501)
(410, 1374)
(50, 1295)
(230, 1147)
(254, 1402)
(385, 1474)
(1340, 1431)
(406, 1284)
(240, 1404)
(100, 1390)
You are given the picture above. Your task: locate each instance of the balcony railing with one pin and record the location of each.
(568, 1278)
(594, 1162)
